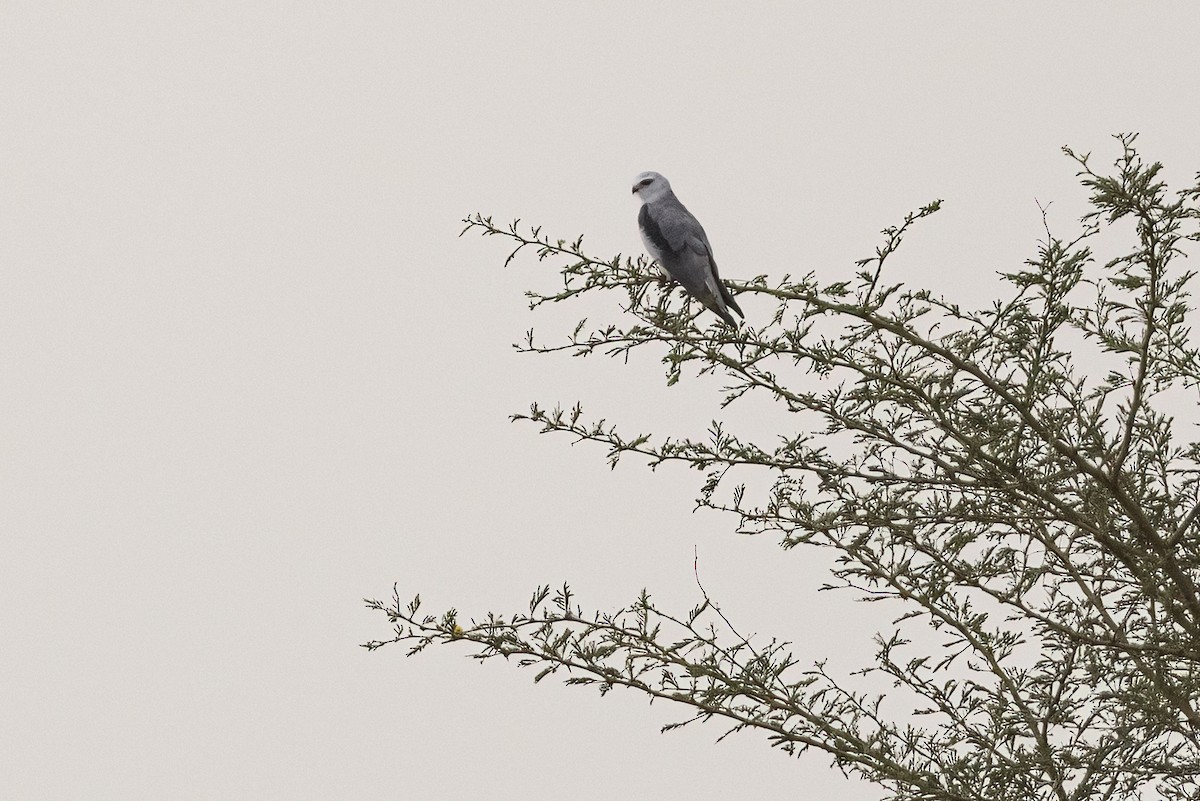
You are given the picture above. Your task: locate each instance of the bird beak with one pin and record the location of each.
(635, 190)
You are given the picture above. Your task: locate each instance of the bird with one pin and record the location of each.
(677, 240)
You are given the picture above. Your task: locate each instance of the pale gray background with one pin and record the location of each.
(250, 374)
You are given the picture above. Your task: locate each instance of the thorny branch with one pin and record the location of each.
(975, 467)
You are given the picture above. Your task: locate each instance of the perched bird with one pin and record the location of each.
(676, 239)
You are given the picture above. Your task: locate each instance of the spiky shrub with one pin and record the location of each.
(1009, 476)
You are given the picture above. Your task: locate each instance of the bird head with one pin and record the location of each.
(650, 186)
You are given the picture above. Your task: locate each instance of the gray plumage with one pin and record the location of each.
(677, 240)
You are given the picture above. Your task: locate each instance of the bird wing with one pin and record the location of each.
(650, 220)
(678, 241)
(702, 249)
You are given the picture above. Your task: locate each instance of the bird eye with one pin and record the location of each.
(646, 182)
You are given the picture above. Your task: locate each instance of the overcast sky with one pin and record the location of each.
(251, 374)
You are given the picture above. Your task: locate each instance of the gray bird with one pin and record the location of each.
(677, 240)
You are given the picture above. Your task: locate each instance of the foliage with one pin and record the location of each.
(1009, 475)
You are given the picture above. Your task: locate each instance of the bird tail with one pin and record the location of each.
(730, 302)
(718, 308)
